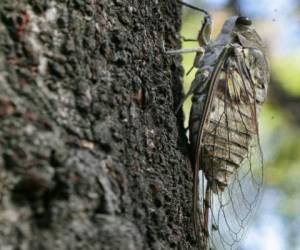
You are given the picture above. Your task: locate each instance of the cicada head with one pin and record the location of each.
(240, 28)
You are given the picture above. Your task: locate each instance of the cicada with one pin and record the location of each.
(228, 91)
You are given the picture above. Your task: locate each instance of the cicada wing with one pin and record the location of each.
(199, 216)
(232, 209)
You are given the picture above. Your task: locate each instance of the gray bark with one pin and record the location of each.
(91, 152)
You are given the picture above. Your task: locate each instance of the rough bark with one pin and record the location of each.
(91, 152)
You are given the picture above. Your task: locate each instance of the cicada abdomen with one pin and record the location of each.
(228, 91)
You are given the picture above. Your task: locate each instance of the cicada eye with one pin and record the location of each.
(242, 20)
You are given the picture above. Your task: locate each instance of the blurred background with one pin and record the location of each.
(277, 223)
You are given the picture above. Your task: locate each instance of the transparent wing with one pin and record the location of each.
(233, 209)
(236, 129)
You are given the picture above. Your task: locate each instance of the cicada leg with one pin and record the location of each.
(183, 51)
(199, 54)
(188, 39)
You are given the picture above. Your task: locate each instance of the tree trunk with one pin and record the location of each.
(92, 155)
